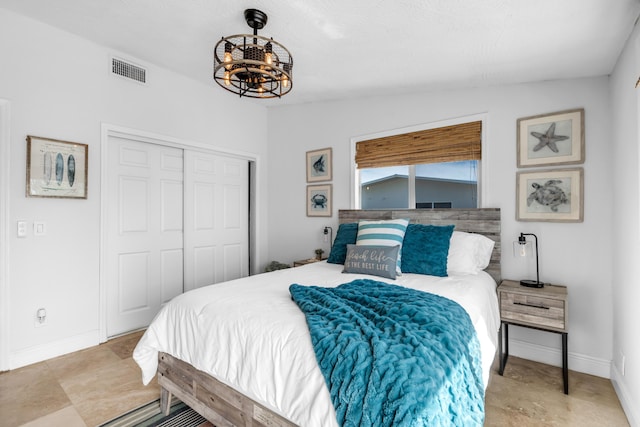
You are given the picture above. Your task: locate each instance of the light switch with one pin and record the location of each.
(39, 229)
(22, 228)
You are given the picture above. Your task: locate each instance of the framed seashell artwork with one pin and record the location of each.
(56, 168)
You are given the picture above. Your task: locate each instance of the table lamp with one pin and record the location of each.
(523, 248)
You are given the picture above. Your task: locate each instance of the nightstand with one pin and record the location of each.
(301, 262)
(537, 308)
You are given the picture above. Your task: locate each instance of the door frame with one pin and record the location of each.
(5, 177)
(110, 130)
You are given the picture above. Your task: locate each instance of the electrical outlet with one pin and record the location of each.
(40, 318)
(22, 228)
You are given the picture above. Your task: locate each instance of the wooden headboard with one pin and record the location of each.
(484, 221)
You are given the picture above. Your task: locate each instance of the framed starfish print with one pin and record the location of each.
(551, 139)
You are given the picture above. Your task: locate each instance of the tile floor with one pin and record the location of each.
(85, 388)
(531, 394)
(92, 386)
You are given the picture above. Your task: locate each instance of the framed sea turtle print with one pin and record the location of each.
(56, 168)
(319, 200)
(554, 195)
(319, 165)
(551, 139)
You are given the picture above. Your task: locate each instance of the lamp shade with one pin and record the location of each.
(522, 249)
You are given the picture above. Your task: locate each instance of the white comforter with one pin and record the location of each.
(249, 334)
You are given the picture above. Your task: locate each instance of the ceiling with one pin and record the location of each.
(354, 48)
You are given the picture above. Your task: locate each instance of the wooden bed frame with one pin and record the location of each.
(224, 406)
(220, 404)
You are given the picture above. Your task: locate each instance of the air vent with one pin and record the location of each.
(128, 70)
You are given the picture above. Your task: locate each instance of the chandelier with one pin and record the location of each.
(252, 65)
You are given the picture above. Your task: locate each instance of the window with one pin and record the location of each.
(429, 169)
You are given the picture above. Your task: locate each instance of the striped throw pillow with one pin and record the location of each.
(383, 233)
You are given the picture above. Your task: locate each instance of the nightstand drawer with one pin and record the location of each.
(532, 309)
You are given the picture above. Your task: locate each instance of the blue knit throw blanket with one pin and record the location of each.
(394, 356)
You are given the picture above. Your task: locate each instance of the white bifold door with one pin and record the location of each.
(216, 219)
(177, 219)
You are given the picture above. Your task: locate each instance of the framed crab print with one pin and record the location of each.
(319, 200)
(319, 165)
(56, 168)
(551, 139)
(554, 195)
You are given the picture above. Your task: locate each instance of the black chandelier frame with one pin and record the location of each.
(252, 65)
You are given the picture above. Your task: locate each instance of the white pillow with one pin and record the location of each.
(469, 253)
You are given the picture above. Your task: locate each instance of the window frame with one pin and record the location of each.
(482, 164)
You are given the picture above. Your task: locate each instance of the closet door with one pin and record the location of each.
(144, 231)
(216, 218)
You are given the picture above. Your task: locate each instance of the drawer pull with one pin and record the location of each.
(531, 305)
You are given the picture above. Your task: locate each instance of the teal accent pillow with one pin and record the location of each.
(388, 232)
(374, 260)
(426, 248)
(347, 234)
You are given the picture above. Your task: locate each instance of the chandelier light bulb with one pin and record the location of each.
(268, 53)
(285, 79)
(227, 78)
(228, 58)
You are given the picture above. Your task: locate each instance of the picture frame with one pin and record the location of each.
(552, 195)
(551, 139)
(319, 200)
(56, 168)
(319, 165)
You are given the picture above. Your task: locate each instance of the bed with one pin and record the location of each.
(240, 353)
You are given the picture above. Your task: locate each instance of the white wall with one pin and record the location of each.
(626, 227)
(570, 254)
(59, 86)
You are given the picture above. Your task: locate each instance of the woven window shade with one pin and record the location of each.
(445, 144)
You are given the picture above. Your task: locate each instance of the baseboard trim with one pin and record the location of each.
(630, 410)
(553, 356)
(43, 352)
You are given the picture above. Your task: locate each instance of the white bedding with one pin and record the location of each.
(249, 334)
